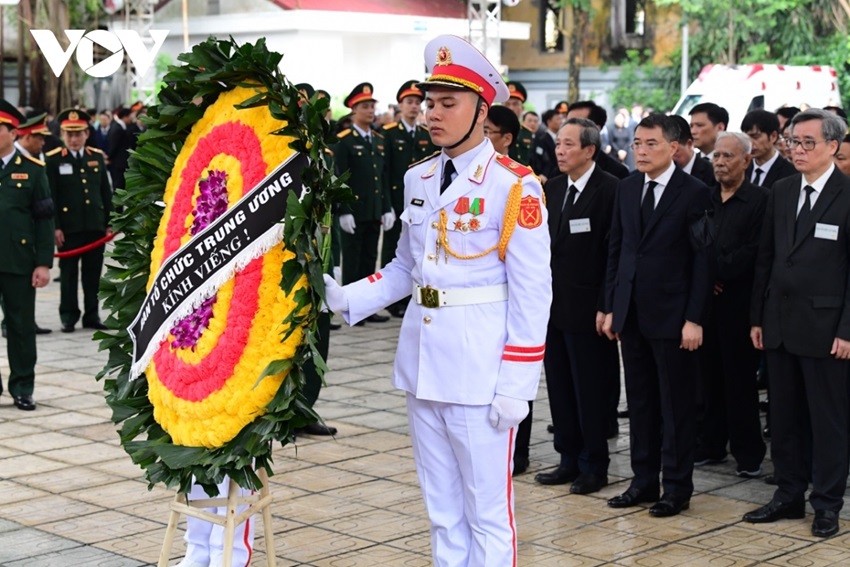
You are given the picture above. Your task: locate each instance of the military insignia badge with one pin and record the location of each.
(462, 206)
(91, 163)
(477, 206)
(367, 89)
(460, 225)
(478, 171)
(20, 176)
(444, 56)
(18, 160)
(73, 116)
(474, 224)
(530, 215)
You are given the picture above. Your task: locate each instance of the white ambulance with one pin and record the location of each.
(742, 88)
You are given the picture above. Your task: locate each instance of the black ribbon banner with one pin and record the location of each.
(248, 229)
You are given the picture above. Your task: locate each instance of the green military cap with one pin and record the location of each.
(72, 119)
(9, 114)
(409, 88)
(562, 107)
(517, 90)
(35, 124)
(306, 89)
(361, 93)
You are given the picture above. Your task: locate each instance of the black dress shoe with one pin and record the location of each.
(25, 403)
(669, 506)
(623, 413)
(67, 328)
(397, 311)
(589, 483)
(96, 325)
(377, 318)
(520, 466)
(770, 479)
(550, 428)
(334, 326)
(558, 475)
(318, 429)
(825, 523)
(41, 330)
(773, 511)
(360, 324)
(632, 497)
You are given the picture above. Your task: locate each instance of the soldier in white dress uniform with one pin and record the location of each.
(474, 251)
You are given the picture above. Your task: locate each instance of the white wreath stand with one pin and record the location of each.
(258, 502)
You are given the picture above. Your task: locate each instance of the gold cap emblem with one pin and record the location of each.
(444, 56)
(367, 89)
(73, 116)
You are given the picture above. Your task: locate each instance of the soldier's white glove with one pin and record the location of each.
(507, 412)
(346, 223)
(338, 274)
(335, 297)
(388, 220)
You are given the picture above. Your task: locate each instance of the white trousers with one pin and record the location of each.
(464, 466)
(205, 541)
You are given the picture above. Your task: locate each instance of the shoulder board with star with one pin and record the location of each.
(54, 151)
(344, 133)
(513, 166)
(390, 126)
(423, 160)
(90, 149)
(35, 160)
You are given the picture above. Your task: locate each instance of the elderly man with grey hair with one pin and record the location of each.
(801, 318)
(728, 359)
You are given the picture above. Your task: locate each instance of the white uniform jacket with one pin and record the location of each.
(465, 354)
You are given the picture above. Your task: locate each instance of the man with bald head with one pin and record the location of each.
(728, 359)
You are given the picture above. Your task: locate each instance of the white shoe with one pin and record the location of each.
(189, 563)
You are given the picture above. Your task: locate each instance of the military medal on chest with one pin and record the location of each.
(468, 214)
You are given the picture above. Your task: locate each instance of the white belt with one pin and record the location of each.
(432, 298)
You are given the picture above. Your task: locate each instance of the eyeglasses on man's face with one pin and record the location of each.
(808, 144)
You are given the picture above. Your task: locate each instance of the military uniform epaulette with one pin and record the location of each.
(55, 151)
(378, 134)
(390, 126)
(422, 126)
(35, 160)
(423, 160)
(90, 149)
(513, 166)
(526, 127)
(329, 151)
(344, 133)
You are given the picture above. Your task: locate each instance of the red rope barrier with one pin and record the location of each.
(83, 249)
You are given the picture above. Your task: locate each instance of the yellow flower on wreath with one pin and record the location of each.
(204, 396)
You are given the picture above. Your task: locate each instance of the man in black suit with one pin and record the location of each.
(801, 318)
(658, 283)
(728, 361)
(543, 160)
(687, 159)
(580, 206)
(119, 143)
(595, 113)
(767, 166)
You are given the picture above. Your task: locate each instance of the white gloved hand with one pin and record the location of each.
(507, 412)
(388, 220)
(346, 223)
(335, 297)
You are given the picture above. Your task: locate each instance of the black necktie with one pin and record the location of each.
(804, 211)
(567, 206)
(647, 206)
(757, 180)
(448, 170)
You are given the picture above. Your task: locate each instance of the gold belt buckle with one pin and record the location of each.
(430, 297)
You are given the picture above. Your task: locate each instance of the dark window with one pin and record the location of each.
(635, 16)
(551, 38)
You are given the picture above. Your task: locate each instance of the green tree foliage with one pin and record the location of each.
(791, 32)
(642, 81)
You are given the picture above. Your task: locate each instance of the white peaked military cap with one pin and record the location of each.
(453, 62)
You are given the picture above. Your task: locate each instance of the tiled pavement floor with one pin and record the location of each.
(69, 496)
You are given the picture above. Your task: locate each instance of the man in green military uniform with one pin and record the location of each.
(83, 200)
(360, 151)
(26, 226)
(523, 145)
(406, 143)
